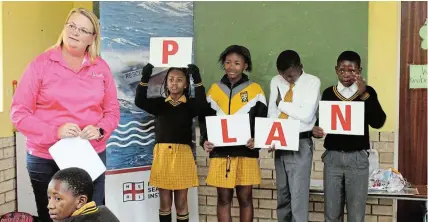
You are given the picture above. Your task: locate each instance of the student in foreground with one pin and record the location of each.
(346, 160)
(70, 198)
(234, 166)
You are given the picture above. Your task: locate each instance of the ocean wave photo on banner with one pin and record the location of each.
(126, 28)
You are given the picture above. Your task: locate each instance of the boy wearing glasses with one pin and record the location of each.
(346, 164)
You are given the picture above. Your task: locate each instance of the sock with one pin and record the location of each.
(183, 218)
(165, 216)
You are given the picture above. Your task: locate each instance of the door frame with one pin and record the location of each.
(397, 104)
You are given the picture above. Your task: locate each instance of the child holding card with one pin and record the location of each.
(294, 95)
(173, 169)
(234, 166)
(346, 164)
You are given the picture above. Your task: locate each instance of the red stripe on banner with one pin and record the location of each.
(128, 170)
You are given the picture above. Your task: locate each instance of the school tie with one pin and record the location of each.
(287, 98)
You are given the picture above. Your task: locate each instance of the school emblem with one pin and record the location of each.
(244, 96)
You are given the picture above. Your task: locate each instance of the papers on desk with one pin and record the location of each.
(77, 152)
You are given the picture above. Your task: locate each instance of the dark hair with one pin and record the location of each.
(165, 91)
(78, 180)
(240, 50)
(349, 56)
(288, 59)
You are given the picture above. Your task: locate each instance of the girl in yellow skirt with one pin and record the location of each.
(173, 169)
(234, 167)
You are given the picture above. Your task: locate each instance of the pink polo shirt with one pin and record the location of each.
(50, 94)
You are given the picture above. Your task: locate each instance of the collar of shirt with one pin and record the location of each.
(226, 81)
(56, 55)
(299, 81)
(181, 99)
(347, 90)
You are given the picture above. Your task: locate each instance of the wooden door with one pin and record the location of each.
(412, 140)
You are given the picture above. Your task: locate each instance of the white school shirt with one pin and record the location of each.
(306, 95)
(347, 92)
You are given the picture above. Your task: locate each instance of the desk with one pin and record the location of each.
(422, 189)
(422, 196)
(317, 189)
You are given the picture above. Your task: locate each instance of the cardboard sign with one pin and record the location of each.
(171, 52)
(228, 130)
(283, 133)
(340, 117)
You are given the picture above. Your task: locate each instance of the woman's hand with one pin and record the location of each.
(68, 130)
(90, 132)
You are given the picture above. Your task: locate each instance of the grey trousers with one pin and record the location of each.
(346, 179)
(293, 174)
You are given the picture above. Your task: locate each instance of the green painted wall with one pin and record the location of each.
(318, 31)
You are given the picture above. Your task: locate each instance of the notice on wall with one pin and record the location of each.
(418, 76)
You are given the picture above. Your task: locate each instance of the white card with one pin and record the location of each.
(77, 152)
(171, 52)
(228, 130)
(283, 133)
(341, 117)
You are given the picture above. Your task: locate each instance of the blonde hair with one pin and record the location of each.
(94, 49)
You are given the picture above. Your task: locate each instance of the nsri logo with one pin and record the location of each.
(133, 191)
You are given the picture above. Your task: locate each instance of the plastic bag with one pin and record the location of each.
(379, 179)
(390, 180)
(373, 160)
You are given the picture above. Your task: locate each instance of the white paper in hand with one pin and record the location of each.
(77, 152)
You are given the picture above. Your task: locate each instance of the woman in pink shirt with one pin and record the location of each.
(67, 91)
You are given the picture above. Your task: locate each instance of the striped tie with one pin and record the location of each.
(287, 98)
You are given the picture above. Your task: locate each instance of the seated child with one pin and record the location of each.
(70, 198)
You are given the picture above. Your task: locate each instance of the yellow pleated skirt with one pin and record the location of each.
(173, 167)
(229, 172)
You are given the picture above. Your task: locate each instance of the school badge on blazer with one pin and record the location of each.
(244, 96)
(133, 191)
